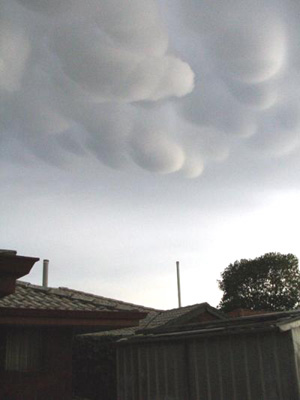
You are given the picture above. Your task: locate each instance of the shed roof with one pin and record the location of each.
(281, 321)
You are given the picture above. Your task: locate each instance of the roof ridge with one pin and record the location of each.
(191, 305)
(153, 319)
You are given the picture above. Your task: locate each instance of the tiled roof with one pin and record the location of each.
(157, 319)
(45, 298)
(29, 296)
(164, 317)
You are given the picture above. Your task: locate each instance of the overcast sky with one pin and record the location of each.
(135, 133)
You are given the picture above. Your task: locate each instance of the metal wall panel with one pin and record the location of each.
(296, 341)
(258, 366)
(152, 372)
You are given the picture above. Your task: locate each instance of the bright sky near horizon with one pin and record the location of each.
(134, 133)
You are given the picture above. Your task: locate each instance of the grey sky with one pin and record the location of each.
(138, 132)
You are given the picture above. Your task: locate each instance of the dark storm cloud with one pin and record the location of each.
(115, 81)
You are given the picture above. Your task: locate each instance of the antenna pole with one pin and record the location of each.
(178, 284)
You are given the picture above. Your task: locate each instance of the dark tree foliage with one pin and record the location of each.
(270, 282)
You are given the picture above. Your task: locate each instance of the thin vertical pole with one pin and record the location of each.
(178, 284)
(45, 272)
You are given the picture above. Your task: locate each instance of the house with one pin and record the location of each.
(37, 326)
(251, 357)
(95, 355)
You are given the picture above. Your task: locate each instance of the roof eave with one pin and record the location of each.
(13, 267)
(103, 320)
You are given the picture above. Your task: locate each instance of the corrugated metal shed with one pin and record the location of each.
(250, 358)
(95, 352)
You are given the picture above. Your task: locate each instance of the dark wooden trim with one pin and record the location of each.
(36, 317)
(36, 312)
(13, 267)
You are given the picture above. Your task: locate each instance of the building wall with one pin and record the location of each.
(296, 339)
(52, 380)
(234, 367)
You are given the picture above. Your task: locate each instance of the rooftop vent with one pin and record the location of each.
(45, 272)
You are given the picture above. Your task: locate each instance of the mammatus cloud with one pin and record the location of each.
(157, 153)
(101, 78)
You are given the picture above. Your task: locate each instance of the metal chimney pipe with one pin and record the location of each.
(178, 284)
(45, 272)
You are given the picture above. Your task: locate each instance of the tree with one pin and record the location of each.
(270, 282)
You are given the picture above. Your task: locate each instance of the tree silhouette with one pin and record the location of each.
(270, 282)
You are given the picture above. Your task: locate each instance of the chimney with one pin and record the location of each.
(45, 272)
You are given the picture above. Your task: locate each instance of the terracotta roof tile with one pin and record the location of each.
(39, 297)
